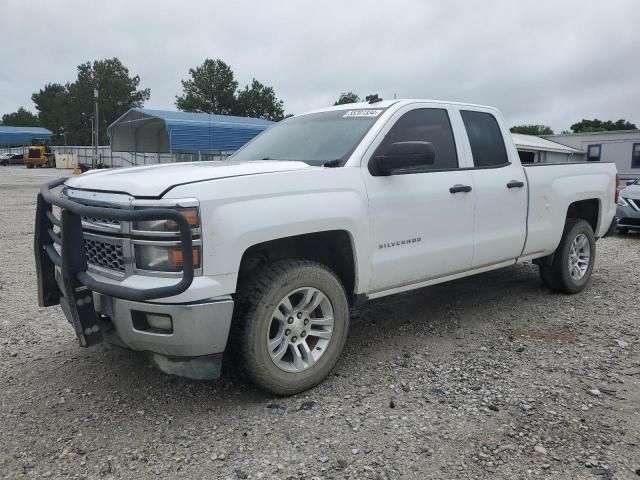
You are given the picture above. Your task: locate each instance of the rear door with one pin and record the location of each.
(501, 190)
(421, 221)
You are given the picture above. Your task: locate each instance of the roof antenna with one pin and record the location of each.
(373, 98)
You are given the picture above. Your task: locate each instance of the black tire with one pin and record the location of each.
(4, 163)
(623, 230)
(29, 165)
(256, 300)
(557, 276)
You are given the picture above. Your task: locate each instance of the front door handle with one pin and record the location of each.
(515, 184)
(458, 188)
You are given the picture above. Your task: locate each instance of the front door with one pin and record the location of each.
(421, 221)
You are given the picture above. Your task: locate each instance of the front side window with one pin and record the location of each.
(425, 125)
(635, 156)
(315, 138)
(485, 138)
(593, 153)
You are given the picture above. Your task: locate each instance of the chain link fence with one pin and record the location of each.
(84, 155)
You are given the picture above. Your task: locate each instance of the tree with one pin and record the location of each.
(118, 92)
(20, 118)
(259, 101)
(347, 97)
(51, 103)
(532, 129)
(596, 125)
(211, 89)
(72, 106)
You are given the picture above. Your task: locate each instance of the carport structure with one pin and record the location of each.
(162, 131)
(533, 149)
(22, 136)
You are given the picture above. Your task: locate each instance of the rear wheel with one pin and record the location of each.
(4, 163)
(573, 260)
(291, 324)
(29, 165)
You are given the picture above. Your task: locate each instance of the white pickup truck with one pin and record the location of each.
(262, 255)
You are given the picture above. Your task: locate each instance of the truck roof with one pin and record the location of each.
(397, 102)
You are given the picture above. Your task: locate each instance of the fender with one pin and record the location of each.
(240, 212)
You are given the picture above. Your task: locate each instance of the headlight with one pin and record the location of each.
(190, 214)
(622, 202)
(159, 258)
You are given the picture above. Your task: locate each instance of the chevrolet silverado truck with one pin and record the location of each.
(261, 256)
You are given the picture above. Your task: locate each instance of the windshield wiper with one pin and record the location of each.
(332, 164)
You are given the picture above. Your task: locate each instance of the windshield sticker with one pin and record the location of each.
(362, 113)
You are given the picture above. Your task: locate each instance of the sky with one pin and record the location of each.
(543, 62)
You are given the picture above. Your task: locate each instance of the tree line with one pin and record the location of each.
(583, 126)
(68, 110)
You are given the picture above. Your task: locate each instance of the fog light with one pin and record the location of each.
(152, 322)
(160, 322)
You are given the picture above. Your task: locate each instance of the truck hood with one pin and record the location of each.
(632, 191)
(156, 180)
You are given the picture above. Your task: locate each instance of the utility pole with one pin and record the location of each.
(64, 136)
(95, 123)
(93, 139)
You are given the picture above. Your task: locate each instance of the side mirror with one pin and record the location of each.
(402, 156)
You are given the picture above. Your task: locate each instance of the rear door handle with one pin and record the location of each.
(515, 184)
(458, 188)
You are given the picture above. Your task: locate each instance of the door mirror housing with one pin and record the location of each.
(403, 157)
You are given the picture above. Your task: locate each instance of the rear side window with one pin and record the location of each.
(485, 137)
(426, 125)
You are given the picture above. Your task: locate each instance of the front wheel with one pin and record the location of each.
(291, 324)
(573, 260)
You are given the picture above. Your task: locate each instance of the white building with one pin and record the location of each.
(621, 147)
(532, 149)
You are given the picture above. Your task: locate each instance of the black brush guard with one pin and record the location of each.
(74, 291)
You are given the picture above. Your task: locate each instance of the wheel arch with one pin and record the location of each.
(588, 210)
(333, 248)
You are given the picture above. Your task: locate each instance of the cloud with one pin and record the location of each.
(538, 61)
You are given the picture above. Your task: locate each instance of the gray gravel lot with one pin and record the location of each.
(487, 377)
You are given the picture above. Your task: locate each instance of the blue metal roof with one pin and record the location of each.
(195, 131)
(22, 135)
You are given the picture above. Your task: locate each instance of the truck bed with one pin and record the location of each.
(552, 190)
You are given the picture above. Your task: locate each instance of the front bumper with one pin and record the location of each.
(197, 328)
(628, 217)
(99, 310)
(61, 263)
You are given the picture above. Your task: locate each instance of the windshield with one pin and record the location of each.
(317, 138)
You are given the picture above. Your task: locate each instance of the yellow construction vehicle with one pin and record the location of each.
(39, 154)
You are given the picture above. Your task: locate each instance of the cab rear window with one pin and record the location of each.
(485, 137)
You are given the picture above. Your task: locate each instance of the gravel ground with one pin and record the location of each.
(487, 377)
